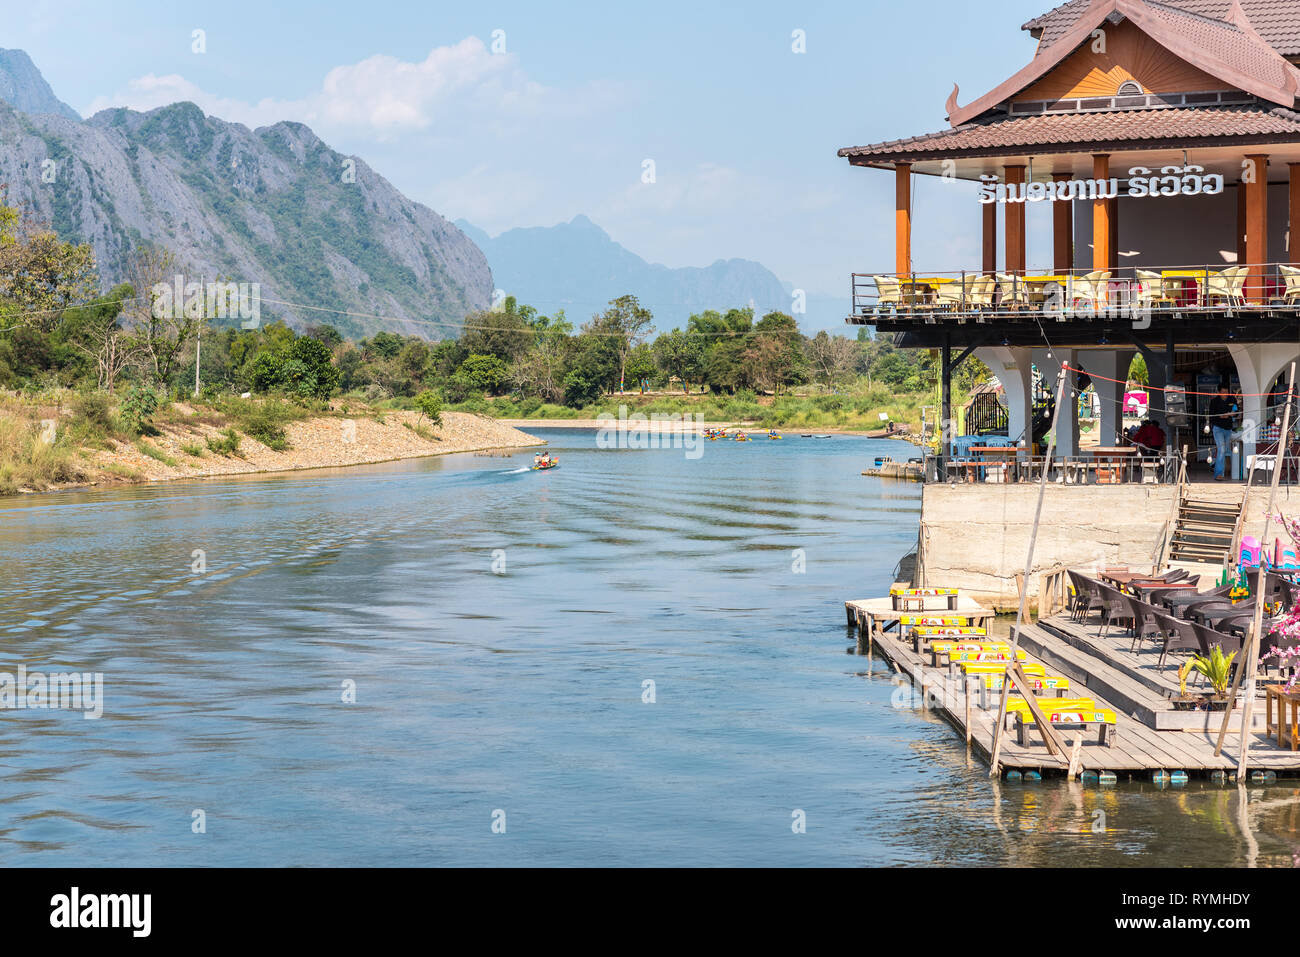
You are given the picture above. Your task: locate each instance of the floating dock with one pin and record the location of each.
(1152, 740)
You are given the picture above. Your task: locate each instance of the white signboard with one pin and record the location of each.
(1142, 183)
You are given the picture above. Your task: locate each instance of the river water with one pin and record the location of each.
(635, 659)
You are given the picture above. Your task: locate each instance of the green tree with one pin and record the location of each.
(626, 323)
(480, 373)
(681, 354)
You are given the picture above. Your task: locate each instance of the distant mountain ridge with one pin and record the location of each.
(274, 206)
(577, 267)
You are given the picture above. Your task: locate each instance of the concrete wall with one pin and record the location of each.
(975, 537)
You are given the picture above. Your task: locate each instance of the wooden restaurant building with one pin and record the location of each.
(1164, 135)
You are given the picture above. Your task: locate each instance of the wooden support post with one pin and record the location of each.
(990, 244)
(1250, 653)
(903, 218)
(946, 425)
(966, 687)
(1101, 216)
(1257, 228)
(1015, 213)
(1074, 758)
(1062, 232)
(1293, 223)
(1050, 737)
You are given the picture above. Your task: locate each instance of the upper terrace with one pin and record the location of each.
(1164, 135)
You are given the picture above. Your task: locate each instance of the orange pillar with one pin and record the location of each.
(1062, 231)
(1257, 229)
(1113, 206)
(1101, 210)
(1294, 243)
(903, 218)
(990, 238)
(1015, 258)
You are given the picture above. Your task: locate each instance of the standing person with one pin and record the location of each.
(1222, 412)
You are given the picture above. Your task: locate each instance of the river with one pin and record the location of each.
(635, 659)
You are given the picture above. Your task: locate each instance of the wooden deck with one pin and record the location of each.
(1150, 737)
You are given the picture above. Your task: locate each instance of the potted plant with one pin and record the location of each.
(1184, 701)
(1217, 670)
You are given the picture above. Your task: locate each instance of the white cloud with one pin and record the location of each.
(454, 90)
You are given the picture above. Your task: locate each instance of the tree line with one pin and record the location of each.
(58, 331)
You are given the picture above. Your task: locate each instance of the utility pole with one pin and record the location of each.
(198, 337)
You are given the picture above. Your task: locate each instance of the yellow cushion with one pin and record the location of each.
(959, 656)
(1030, 668)
(1037, 682)
(944, 647)
(935, 621)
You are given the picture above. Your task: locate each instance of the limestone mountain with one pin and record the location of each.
(274, 206)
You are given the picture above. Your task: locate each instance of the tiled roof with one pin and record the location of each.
(1232, 51)
(1075, 129)
(1277, 21)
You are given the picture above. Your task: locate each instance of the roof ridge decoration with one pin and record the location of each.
(1238, 16)
(1099, 11)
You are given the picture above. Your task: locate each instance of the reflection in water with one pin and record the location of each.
(499, 630)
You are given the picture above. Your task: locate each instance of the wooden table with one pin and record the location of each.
(1111, 463)
(1144, 586)
(1286, 730)
(999, 456)
(1201, 276)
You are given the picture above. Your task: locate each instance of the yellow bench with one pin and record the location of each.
(950, 631)
(903, 598)
(935, 621)
(990, 683)
(1072, 712)
(996, 654)
(942, 651)
(1030, 668)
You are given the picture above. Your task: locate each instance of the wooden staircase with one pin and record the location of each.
(1204, 531)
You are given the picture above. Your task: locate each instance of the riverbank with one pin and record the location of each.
(54, 448)
(858, 412)
(749, 426)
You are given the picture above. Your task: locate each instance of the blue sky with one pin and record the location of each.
(742, 130)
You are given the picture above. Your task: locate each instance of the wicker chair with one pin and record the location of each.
(889, 292)
(1092, 289)
(1179, 636)
(956, 295)
(1146, 621)
(1291, 294)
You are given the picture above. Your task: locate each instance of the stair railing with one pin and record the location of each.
(1171, 526)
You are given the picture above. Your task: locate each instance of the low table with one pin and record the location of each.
(1286, 730)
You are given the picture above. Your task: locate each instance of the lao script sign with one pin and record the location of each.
(1141, 184)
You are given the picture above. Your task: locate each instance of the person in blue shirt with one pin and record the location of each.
(1222, 412)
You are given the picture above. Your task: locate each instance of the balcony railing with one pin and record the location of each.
(1104, 467)
(1129, 292)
